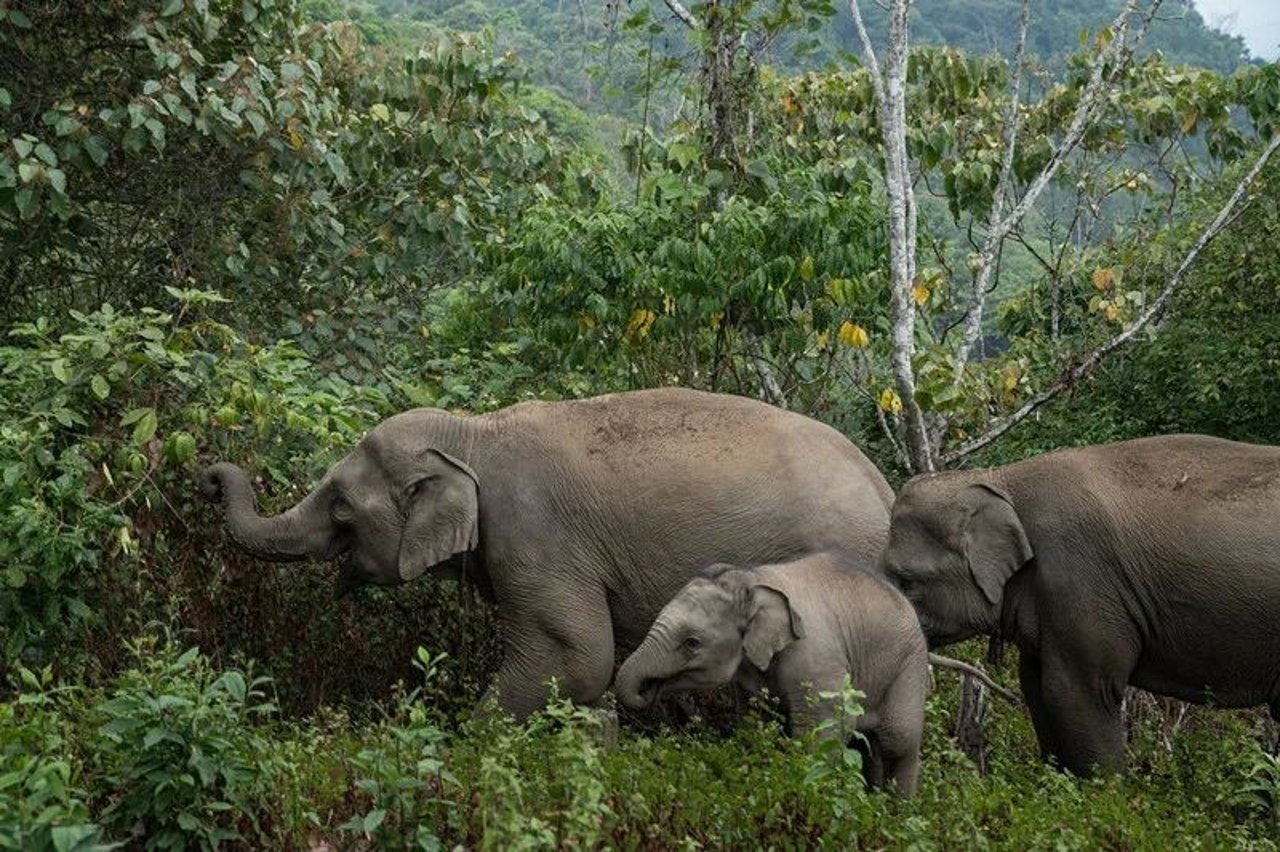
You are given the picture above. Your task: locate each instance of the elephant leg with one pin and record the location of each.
(1083, 714)
(575, 648)
(873, 759)
(901, 730)
(1033, 693)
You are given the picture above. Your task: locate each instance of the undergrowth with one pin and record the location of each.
(173, 753)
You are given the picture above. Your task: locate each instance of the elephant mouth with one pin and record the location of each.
(349, 578)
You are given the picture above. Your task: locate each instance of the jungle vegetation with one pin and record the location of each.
(251, 229)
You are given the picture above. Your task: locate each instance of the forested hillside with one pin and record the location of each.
(250, 230)
(582, 50)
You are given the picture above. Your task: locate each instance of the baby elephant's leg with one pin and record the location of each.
(900, 730)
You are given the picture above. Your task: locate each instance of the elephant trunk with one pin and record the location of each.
(303, 531)
(641, 677)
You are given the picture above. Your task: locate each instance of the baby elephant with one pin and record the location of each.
(798, 628)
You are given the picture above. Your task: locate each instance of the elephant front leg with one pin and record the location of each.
(1082, 716)
(576, 653)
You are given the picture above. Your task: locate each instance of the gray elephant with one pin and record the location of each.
(798, 628)
(579, 519)
(1153, 562)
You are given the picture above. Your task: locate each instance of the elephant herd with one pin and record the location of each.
(716, 539)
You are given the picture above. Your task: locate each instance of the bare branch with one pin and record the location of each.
(1012, 124)
(1090, 364)
(1105, 68)
(890, 86)
(679, 10)
(768, 381)
(868, 52)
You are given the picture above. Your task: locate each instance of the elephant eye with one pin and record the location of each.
(341, 512)
(692, 643)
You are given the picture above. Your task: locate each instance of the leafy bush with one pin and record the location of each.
(401, 774)
(41, 806)
(178, 750)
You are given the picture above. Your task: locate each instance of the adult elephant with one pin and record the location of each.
(1153, 562)
(580, 519)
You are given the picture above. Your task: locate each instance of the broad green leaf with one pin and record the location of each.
(97, 149)
(100, 387)
(172, 7)
(145, 428)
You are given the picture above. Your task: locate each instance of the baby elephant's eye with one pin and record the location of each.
(692, 643)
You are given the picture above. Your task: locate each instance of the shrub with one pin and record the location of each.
(41, 804)
(177, 750)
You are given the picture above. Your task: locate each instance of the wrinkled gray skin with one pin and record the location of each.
(579, 519)
(797, 628)
(1153, 562)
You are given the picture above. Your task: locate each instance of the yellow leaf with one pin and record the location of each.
(920, 293)
(890, 401)
(822, 340)
(806, 268)
(1112, 311)
(716, 318)
(1011, 376)
(587, 322)
(668, 304)
(380, 112)
(639, 324)
(295, 138)
(1103, 277)
(852, 334)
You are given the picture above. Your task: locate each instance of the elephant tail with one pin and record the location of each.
(973, 671)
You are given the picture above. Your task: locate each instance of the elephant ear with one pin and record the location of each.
(443, 515)
(771, 625)
(995, 544)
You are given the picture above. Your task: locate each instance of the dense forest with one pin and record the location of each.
(250, 230)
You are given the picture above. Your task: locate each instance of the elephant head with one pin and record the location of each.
(953, 544)
(402, 501)
(701, 636)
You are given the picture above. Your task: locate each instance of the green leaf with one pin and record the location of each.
(28, 171)
(19, 20)
(234, 683)
(145, 428)
(100, 387)
(6, 100)
(58, 180)
(173, 7)
(45, 153)
(23, 147)
(67, 837)
(59, 370)
(96, 146)
(256, 121)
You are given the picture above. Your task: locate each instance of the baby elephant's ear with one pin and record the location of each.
(771, 626)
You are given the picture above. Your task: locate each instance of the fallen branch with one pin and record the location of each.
(974, 672)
